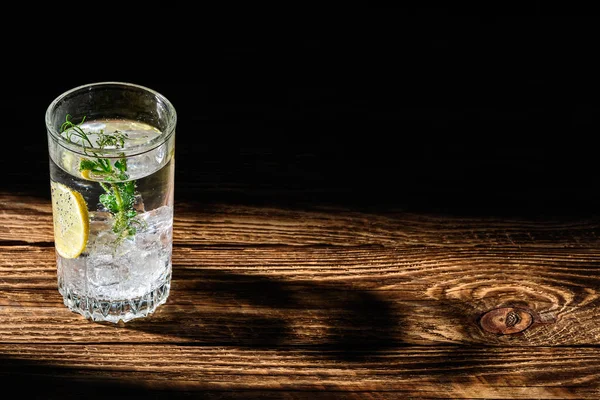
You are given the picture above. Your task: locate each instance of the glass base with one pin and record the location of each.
(115, 311)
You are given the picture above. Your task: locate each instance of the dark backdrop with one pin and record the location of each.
(376, 109)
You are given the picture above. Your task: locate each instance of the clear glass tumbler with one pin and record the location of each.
(111, 148)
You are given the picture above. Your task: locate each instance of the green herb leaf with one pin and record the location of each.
(129, 187)
(121, 165)
(86, 164)
(117, 139)
(120, 194)
(110, 202)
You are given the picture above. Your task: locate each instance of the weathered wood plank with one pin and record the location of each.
(342, 325)
(434, 271)
(336, 296)
(439, 372)
(564, 277)
(416, 323)
(29, 219)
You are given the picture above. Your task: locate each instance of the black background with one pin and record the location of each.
(454, 111)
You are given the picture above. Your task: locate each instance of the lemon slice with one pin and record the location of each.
(85, 174)
(71, 220)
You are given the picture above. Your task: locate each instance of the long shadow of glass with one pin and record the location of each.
(212, 307)
(217, 308)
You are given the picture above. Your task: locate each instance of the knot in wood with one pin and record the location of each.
(506, 320)
(512, 318)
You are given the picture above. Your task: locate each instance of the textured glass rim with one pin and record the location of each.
(140, 149)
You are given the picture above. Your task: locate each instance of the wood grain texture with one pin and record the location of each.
(29, 219)
(319, 303)
(324, 296)
(439, 372)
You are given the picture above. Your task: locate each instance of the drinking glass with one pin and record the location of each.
(111, 148)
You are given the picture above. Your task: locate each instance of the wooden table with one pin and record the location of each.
(293, 291)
